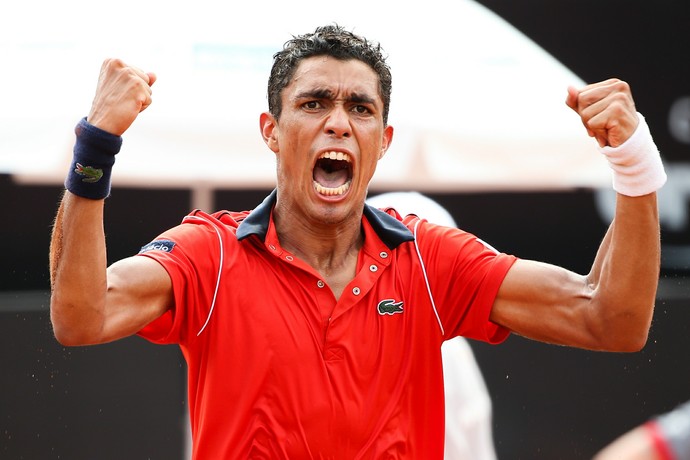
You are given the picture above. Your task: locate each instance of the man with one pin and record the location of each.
(312, 326)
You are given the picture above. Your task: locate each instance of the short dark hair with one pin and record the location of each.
(330, 40)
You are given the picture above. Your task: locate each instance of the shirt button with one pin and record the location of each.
(289, 258)
(320, 284)
(355, 290)
(373, 268)
(383, 255)
(271, 247)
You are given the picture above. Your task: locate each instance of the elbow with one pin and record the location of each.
(622, 326)
(626, 337)
(65, 338)
(68, 328)
(68, 336)
(629, 343)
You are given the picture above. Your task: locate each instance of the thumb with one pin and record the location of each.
(152, 78)
(571, 99)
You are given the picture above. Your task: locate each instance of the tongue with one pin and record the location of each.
(330, 179)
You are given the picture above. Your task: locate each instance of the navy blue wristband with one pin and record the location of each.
(92, 162)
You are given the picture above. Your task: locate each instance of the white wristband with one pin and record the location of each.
(636, 163)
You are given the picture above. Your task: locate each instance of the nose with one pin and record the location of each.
(338, 123)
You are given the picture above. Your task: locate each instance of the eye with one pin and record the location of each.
(311, 105)
(361, 109)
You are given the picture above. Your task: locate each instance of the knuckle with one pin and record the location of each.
(622, 87)
(113, 63)
(620, 102)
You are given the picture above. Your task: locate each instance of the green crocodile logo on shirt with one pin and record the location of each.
(90, 173)
(390, 307)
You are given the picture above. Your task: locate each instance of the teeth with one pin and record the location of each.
(331, 191)
(336, 156)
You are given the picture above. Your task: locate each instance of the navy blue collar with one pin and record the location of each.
(391, 231)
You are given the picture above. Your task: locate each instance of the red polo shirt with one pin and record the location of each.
(279, 369)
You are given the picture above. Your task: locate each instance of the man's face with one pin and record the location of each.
(329, 138)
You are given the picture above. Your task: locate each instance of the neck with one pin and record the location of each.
(327, 247)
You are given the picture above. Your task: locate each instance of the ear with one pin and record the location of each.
(268, 127)
(387, 139)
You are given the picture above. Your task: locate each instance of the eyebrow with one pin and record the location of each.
(328, 94)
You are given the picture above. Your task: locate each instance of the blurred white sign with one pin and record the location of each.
(476, 105)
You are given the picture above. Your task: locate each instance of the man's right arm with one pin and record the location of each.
(91, 303)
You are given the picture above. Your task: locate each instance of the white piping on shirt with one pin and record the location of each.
(426, 279)
(220, 270)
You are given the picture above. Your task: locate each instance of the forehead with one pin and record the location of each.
(342, 77)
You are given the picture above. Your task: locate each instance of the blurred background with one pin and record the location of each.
(481, 127)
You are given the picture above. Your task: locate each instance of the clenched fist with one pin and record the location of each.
(607, 110)
(122, 93)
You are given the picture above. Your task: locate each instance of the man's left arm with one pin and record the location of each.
(610, 308)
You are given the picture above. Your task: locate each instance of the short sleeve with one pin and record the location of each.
(190, 253)
(465, 274)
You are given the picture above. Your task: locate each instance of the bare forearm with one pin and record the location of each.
(625, 272)
(634, 445)
(77, 268)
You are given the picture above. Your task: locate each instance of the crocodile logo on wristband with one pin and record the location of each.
(91, 174)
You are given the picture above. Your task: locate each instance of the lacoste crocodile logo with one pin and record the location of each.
(390, 307)
(90, 173)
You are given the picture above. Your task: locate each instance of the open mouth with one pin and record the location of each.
(332, 174)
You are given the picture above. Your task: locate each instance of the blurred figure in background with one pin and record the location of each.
(468, 404)
(665, 437)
